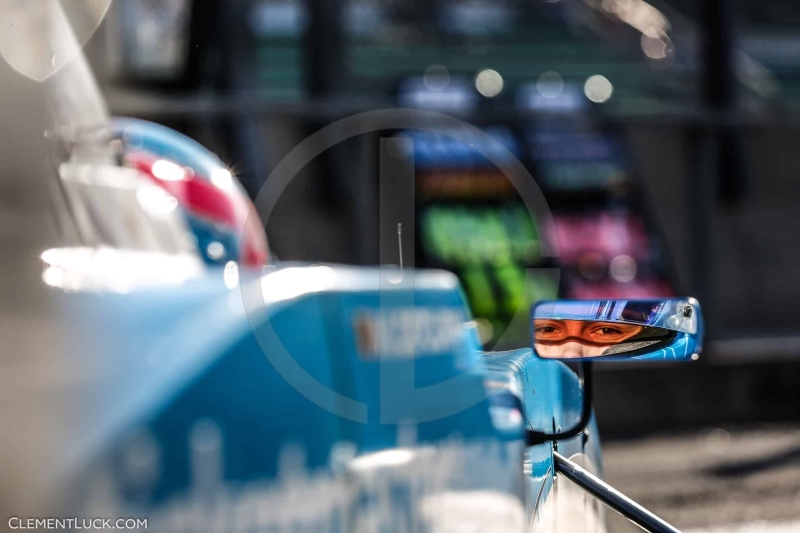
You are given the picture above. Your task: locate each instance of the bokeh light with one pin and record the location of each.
(550, 84)
(489, 83)
(436, 77)
(598, 89)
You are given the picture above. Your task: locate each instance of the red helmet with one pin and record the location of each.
(217, 209)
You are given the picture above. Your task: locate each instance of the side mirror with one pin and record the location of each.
(579, 330)
(612, 330)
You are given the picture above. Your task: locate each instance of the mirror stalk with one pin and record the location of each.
(612, 497)
(533, 438)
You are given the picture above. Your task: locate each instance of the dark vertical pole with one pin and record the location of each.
(711, 144)
(324, 43)
(721, 98)
(718, 20)
(340, 181)
(204, 40)
(700, 187)
(239, 73)
(396, 202)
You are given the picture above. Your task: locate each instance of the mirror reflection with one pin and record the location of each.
(578, 339)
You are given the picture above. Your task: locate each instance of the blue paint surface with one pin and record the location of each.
(189, 356)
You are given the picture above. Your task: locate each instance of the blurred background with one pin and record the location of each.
(662, 133)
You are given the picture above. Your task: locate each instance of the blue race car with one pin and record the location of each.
(335, 398)
(229, 393)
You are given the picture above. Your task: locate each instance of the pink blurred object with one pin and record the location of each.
(608, 289)
(608, 234)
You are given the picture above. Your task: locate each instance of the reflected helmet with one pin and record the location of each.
(217, 209)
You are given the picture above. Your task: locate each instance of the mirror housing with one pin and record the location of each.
(668, 329)
(653, 329)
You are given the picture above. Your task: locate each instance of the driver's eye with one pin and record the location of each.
(545, 330)
(608, 331)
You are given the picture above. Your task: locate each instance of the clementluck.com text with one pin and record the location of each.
(16, 522)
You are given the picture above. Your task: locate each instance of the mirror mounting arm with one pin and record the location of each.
(533, 438)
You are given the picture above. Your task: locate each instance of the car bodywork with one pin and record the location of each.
(551, 397)
(205, 424)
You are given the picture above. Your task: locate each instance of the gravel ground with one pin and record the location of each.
(739, 480)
